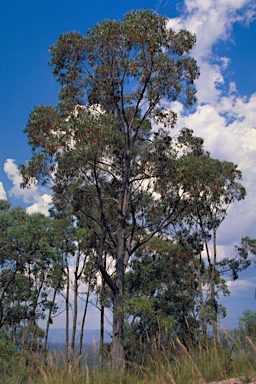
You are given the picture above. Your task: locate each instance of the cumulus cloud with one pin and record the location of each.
(233, 141)
(212, 21)
(34, 195)
(42, 205)
(224, 119)
(12, 173)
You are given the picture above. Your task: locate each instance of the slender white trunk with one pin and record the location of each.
(67, 308)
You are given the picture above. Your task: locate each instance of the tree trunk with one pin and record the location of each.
(118, 333)
(201, 298)
(212, 270)
(102, 314)
(118, 315)
(83, 322)
(33, 342)
(67, 309)
(49, 320)
(14, 330)
(213, 299)
(73, 339)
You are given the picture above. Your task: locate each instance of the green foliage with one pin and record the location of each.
(28, 267)
(33, 338)
(138, 50)
(246, 253)
(247, 324)
(7, 348)
(161, 297)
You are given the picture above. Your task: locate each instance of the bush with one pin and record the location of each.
(7, 353)
(7, 347)
(247, 324)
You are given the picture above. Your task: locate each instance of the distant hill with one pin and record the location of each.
(57, 335)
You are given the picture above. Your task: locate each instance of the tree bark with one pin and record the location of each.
(83, 322)
(73, 338)
(67, 309)
(213, 300)
(102, 314)
(118, 314)
(49, 320)
(201, 298)
(118, 333)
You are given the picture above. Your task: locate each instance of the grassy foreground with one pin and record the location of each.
(176, 365)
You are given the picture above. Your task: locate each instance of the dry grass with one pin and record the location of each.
(178, 364)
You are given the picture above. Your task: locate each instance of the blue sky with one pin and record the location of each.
(225, 115)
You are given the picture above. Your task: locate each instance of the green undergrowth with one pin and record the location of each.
(177, 364)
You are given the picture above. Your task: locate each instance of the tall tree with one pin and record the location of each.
(98, 145)
(162, 292)
(27, 257)
(210, 186)
(75, 253)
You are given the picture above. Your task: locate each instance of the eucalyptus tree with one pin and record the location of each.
(98, 144)
(84, 275)
(162, 292)
(56, 286)
(246, 253)
(247, 325)
(27, 256)
(210, 186)
(75, 270)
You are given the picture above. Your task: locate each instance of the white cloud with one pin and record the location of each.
(233, 141)
(225, 120)
(42, 205)
(2, 192)
(240, 287)
(212, 21)
(12, 173)
(40, 201)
